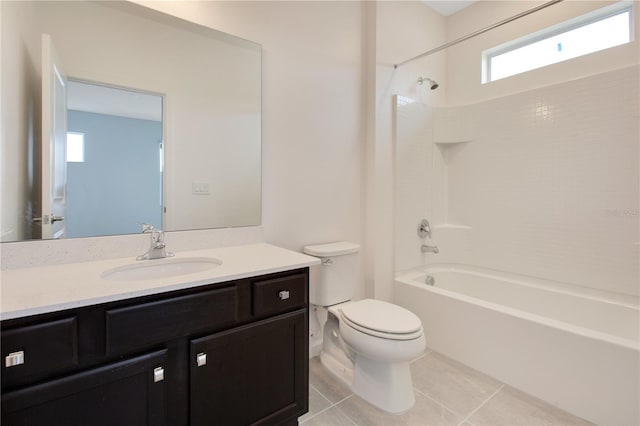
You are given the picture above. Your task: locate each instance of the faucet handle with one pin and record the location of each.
(157, 235)
(424, 229)
(146, 227)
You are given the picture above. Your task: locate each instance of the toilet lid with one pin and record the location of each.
(376, 315)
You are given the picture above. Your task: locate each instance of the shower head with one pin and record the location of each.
(433, 85)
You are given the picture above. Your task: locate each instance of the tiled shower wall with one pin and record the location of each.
(542, 183)
(413, 186)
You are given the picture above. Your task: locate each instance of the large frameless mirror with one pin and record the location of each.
(115, 115)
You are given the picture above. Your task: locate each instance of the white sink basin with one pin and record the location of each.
(160, 268)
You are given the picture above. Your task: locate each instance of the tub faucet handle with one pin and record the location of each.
(424, 229)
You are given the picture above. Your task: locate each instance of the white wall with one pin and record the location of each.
(549, 184)
(546, 165)
(544, 179)
(414, 174)
(464, 60)
(404, 29)
(312, 112)
(312, 115)
(20, 104)
(212, 104)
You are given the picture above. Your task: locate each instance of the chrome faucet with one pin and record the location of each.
(430, 249)
(157, 249)
(424, 231)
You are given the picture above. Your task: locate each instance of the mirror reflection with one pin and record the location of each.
(107, 126)
(139, 87)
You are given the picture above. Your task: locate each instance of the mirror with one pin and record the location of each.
(207, 148)
(102, 123)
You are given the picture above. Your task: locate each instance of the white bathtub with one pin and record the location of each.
(572, 347)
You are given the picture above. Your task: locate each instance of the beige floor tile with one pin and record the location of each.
(317, 403)
(330, 417)
(329, 386)
(425, 412)
(511, 407)
(454, 385)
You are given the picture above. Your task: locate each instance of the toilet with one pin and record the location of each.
(367, 344)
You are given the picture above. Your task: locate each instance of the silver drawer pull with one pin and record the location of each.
(201, 359)
(283, 295)
(13, 359)
(158, 374)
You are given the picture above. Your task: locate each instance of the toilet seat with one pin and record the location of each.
(381, 319)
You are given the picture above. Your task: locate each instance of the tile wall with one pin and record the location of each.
(542, 183)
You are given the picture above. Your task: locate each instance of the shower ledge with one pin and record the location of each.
(452, 141)
(451, 226)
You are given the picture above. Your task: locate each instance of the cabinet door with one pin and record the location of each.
(129, 392)
(257, 374)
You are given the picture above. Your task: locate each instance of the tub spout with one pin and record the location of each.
(430, 249)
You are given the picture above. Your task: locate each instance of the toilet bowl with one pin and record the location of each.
(384, 339)
(367, 344)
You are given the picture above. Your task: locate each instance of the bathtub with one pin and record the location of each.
(573, 347)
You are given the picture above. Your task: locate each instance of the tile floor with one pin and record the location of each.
(447, 393)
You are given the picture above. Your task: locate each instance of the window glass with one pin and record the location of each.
(75, 147)
(560, 45)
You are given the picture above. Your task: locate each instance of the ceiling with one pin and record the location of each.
(100, 99)
(448, 7)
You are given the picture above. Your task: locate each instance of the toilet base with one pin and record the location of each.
(388, 386)
(341, 369)
(385, 384)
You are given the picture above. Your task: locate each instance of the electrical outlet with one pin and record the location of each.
(200, 188)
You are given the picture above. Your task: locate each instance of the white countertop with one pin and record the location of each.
(38, 290)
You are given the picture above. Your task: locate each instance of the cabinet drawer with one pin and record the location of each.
(278, 295)
(142, 325)
(39, 350)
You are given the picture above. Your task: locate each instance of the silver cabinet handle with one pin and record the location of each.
(158, 374)
(201, 359)
(13, 359)
(283, 295)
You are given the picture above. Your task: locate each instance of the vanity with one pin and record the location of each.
(227, 346)
(216, 336)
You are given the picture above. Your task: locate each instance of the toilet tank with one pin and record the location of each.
(333, 280)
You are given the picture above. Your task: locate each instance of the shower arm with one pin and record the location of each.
(481, 31)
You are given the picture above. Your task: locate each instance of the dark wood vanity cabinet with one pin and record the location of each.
(233, 353)
(260, 363)
(121, 393)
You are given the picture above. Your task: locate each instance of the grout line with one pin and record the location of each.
(343, 413)
(440, 403)
(344, 399)
(321, 394)
(331, 404)
(317, 414)
(421, 356)
(483, 404)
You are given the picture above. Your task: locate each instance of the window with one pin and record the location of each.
(75, 147)
(599, 30)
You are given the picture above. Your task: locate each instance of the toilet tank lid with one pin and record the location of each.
(332, 249)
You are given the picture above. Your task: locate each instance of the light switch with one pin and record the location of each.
(200, 188)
